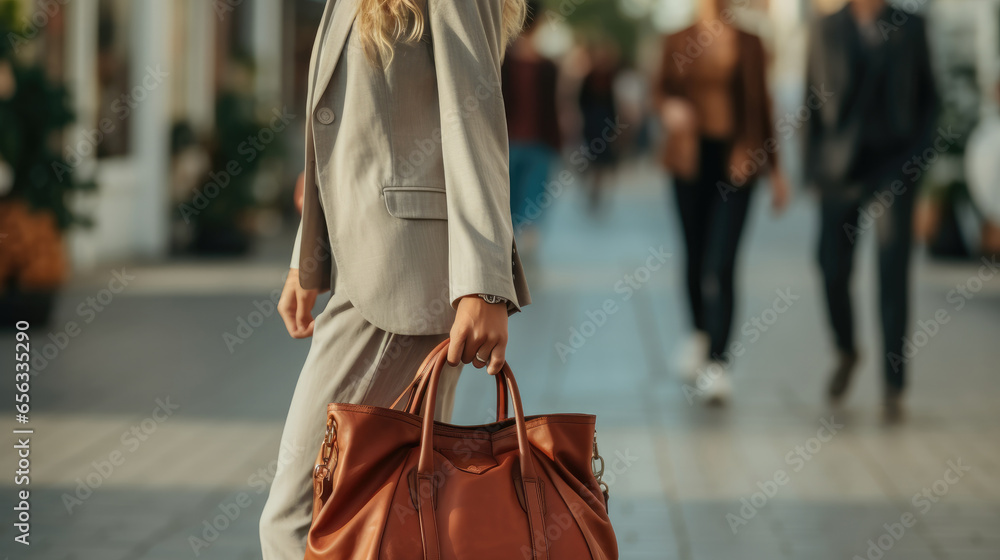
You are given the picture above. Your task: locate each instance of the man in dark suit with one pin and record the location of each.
(865, 148)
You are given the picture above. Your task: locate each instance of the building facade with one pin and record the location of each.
(136, 68)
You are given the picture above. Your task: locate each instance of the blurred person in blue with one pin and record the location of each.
(712, 96)
(870, 87)
(530, 84)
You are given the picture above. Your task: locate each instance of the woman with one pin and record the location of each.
(713, 100)
(405, 217)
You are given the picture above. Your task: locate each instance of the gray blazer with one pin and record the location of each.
(406, 172)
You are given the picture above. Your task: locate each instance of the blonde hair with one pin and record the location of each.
(383, 23)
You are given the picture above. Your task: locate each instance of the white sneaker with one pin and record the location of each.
(714, 384)
(691, 356)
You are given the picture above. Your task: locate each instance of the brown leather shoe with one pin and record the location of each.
(841, 377)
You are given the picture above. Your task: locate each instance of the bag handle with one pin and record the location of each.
(415, 404)
(429, 398)
(411, 388)
(427, 484)
(415, 391)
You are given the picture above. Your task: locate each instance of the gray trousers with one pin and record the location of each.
(350, 360)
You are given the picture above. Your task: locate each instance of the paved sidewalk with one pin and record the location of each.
(157, 425)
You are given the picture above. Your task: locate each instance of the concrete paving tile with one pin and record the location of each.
(693, 466)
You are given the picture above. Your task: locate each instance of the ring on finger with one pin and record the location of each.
(480, 358)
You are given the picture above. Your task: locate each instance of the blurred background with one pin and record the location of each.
(149, 151)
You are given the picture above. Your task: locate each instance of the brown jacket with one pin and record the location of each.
(755, 146)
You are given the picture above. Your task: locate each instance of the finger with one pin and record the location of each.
(472, 345)
(485, 351)
(287, 312)
(456, 347)
(497, 358)
(303, 313)
(309, 330)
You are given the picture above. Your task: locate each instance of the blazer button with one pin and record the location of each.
(325, 115)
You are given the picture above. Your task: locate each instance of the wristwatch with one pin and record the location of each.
(492, 299)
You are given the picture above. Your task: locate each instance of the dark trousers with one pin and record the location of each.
(844, 217)
(712, 213)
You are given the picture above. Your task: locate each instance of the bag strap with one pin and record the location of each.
(426, 483)
(409, 391)
(415, 391)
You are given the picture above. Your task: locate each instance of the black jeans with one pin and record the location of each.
(844, 216)
(712, 213)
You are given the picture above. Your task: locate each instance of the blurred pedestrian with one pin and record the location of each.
(529, 90)
(870, 85)
(405, 220)
(713, 100)
(599, 113)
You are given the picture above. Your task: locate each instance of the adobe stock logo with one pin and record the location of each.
(796, 459)
(627, 286)
(922, 501)
(246, 326)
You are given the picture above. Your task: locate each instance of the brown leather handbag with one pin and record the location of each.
(394, 485)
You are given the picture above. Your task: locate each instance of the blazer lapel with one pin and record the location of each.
(317, 43)
(340, 27)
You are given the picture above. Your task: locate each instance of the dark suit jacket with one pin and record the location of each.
(907, 106)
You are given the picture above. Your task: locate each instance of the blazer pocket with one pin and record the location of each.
(416, 203)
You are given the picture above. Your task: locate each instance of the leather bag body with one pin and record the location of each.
(396, 485)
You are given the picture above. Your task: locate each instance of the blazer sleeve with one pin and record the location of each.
(765, 110)
(296, 248)
(467, 49)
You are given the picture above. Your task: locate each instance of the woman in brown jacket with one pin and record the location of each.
(713, 100)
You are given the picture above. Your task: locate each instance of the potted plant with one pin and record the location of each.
(222, 210)
(944, 191)
(35, 181)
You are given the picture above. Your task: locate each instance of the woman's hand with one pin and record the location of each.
(295, 306)
(678, 115)
(479, 334)
(681, 123)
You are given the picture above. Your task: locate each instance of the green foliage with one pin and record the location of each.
(8, 17)
(30, 122)
(237, 153)
(960, 104)
(598, 20)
